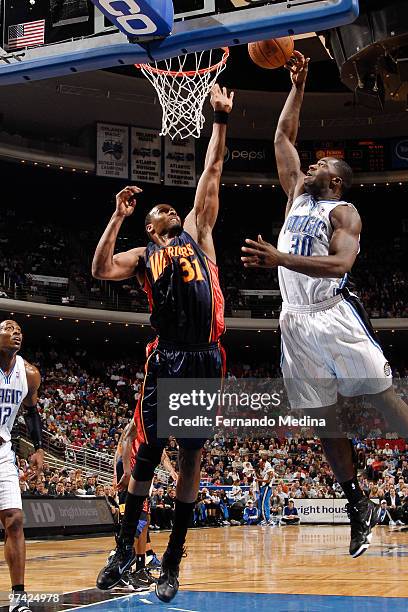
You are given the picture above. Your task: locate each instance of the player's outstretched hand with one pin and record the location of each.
(260, 254)
(298, 66)
(126, 201)
(220, 99)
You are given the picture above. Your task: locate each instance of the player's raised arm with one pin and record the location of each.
(201, 219)
(343, 250)
(287, 158)
(106, 265)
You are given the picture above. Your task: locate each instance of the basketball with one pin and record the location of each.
(273, 53)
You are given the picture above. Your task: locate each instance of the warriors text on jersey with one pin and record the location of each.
(307, 231)
(13, 389)
(184, 292)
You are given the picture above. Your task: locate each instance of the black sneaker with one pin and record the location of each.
(154, 562)
(112, 573)
(168, 584)
(363, 517)
(139, 582)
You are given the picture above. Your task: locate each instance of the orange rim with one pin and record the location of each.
(180, 73)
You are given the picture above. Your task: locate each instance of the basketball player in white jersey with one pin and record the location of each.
(19, 383)
(328, 344)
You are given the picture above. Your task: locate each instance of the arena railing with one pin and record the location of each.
(49, 303)
(101, 295)
(71, 457)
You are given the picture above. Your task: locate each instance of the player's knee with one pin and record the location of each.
(13, 522)
(148, 458)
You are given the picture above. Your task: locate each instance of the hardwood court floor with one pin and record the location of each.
(292, 560)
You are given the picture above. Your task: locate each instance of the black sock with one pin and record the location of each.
(18, 588)
(352, 490)
(182, 517)
(133, 510)
(140, 562)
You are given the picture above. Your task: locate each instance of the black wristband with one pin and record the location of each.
(34, 426)
(220, 117)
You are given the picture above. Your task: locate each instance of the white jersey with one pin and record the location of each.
(307, 231)
(13, 389)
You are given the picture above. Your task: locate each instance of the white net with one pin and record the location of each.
(183, 88)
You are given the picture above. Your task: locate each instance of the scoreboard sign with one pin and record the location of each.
(366, 155)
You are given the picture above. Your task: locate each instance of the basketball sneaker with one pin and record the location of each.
(18, 602)
(363, 517)
(139, 582)
(117, 564)
(168, 584)
(154, 562)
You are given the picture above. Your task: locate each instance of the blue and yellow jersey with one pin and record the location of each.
(185, 297)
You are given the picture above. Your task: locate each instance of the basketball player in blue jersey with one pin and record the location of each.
(19, 383)
(177, 269)
(326, 333)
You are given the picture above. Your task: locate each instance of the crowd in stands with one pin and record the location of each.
(83, 402)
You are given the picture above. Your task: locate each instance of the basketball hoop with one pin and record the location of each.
(182, 84)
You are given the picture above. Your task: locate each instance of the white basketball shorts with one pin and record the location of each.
(327, 342)
(10, 496)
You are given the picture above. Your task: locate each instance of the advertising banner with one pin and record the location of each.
(322, 510)
(53, 512)
(399, 153)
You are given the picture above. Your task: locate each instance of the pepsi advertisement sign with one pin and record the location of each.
(399, 153)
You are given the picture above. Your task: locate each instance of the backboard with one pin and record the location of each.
(47, 38)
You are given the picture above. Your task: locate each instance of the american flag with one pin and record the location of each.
(26, 34)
